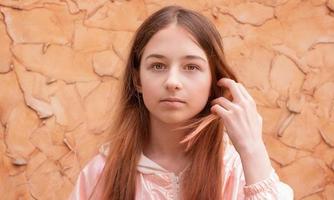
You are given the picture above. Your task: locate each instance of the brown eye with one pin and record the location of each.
(158, 66)
(191, 67)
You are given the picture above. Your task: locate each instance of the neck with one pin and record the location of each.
(165, 141)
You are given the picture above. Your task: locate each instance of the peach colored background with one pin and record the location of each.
(60, 64)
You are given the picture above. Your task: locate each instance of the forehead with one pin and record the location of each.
(173, 42)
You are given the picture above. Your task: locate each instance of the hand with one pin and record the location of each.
(240, 117)
(244, 127)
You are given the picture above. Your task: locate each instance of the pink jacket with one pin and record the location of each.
(156, 183)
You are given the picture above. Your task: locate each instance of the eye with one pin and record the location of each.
(158, 66)
(191, 67)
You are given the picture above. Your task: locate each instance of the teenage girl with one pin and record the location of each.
(186, 129)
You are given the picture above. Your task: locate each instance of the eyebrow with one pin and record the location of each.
(184, 57)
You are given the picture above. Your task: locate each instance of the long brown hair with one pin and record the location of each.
(131, 130)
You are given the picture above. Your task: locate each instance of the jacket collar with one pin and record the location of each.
(148, 166)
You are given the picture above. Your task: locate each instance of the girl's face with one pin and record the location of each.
(175, 77)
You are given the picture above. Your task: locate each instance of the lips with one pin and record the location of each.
(173, 99)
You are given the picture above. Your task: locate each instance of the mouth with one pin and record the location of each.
(172, 99)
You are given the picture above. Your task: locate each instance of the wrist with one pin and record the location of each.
(253, 150)
(256, 163)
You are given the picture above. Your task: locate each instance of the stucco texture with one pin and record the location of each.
(60, 66)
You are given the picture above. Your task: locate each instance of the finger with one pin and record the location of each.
(233, 87)
(225, 103)
(245, 92)
(222, 112)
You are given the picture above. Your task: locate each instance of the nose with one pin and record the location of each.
(173, 82)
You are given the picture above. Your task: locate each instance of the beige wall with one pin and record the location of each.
(60, 63)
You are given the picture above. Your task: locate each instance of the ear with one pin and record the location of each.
(138, 88)
(137, 83)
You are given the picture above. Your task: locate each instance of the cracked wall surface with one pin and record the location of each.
(60, 65)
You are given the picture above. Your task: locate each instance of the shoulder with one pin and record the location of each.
(94, 167)
(104, 149)
(88, 177)
(95, 164)
(92, 170)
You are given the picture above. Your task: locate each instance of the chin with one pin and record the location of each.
(174, 119)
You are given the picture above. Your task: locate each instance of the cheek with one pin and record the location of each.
(149, 92)
(200, 91)
(204, 84)
(148, 85)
